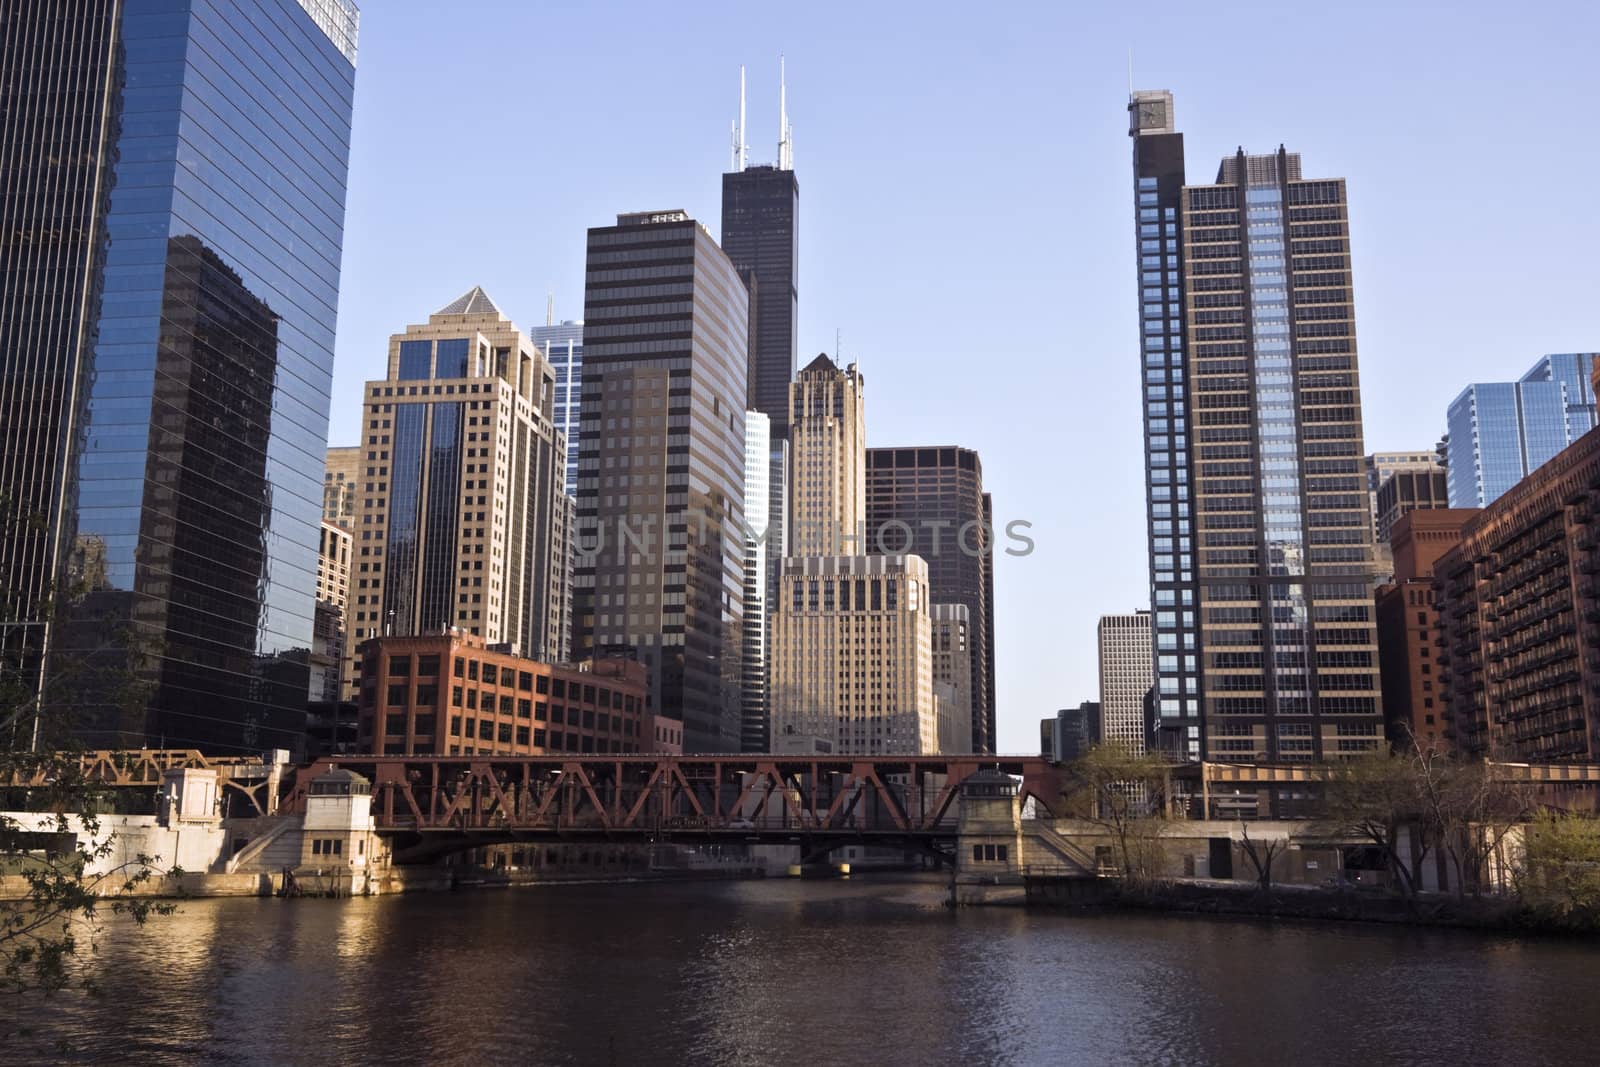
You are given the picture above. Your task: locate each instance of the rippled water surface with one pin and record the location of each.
(783, 972)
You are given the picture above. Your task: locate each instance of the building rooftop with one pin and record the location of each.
(473, 302)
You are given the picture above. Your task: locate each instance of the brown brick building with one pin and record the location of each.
(449, 694)
(1413, 699)
(1519, 618)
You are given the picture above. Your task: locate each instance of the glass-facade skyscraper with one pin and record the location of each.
(1255, 459)
(167, 352)
(754, 724)
(1501, 432)
(562, 346)
(1158, 170)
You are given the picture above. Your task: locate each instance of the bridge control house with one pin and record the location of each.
(450, 694)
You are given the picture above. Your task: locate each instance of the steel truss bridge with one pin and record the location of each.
(437, 804)
(434, 804)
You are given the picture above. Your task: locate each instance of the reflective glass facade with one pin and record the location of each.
(563, 349)
(1500, 432)
(194, 490)
(58, 127)
(754, 732)
(1158, 168)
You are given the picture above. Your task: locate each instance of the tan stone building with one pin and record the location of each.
(461, 519)
(852, 655)
(952, 676)
(828, 450)
(340, 476)
(330, 625)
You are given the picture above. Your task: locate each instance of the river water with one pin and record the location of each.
(783, 972)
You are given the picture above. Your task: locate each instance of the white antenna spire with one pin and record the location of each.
(550, 309)
(739, 147)
(785, 146)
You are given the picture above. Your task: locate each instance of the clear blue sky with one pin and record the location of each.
(965, 213)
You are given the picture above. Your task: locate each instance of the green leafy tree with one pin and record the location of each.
(1562, 864)
(57, 875)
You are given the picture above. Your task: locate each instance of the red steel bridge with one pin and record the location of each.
(431, 805)
(443, 803)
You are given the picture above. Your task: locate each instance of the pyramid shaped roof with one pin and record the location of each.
(474, 302)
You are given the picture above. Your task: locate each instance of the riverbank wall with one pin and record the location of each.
(1494, 914)
(333, 882)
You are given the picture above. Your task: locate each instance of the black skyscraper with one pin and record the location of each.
(930, 502)
(660, 510)
(760, 209)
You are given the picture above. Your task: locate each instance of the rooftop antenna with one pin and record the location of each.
(739, 147)
(550, 309)
(785, 146)
(838, 344)
(1130, 74)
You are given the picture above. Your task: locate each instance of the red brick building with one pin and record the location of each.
(448, 694)
(1519, 618)
(1408, 626)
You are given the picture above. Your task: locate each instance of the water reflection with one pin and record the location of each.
(778, 972)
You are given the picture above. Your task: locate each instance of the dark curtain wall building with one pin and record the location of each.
(60, 110)
(930, 502)
(760, 235)
(177, 365)
(760, 215)
(660, 514)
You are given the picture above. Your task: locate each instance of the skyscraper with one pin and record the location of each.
(827, 460)
(1125, 678)
(852, 655)
(562, 345)
(930, 501)
(1158, 171)
(166, 332)
(1501, 432)
(760, 219)
(760, 235)
(1253, 418)
(462, 513)
(754, 732)
(661, 466)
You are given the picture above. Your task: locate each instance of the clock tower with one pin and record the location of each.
(1150, 111)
